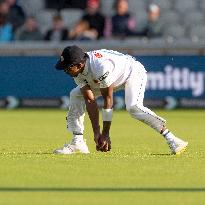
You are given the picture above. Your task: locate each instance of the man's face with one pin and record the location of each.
(74, 70)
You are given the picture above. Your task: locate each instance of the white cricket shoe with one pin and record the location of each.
(177, 145)
(74, 147)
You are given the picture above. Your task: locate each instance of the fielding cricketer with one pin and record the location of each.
(100, 73)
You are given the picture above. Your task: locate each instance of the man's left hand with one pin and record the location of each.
(103, 144)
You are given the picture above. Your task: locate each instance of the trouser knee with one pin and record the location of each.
(147, 116)
(135, 111)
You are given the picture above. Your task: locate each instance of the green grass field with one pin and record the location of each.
(138, 170)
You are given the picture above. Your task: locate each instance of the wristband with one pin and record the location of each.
(107, 114)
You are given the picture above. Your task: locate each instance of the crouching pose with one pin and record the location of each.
(100, 73)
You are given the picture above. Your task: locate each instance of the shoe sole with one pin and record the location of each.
(77, 151)
(181, 150)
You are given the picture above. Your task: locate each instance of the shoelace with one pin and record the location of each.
(69, 146)
(172, 144)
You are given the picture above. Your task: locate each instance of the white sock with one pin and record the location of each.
(168, 135)
(77, 137)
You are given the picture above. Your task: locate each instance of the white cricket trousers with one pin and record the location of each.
(134, 96)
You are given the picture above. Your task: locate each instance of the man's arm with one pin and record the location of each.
(92, 109)
(107, 94)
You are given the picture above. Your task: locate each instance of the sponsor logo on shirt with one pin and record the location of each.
(101, 78)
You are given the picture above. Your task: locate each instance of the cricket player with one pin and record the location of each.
(101, 73)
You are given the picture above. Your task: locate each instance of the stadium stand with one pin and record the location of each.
(170, 17)
(164, 4)
(175, 14)
(137, 6)
(185, 5)
(182, 18)
(32, 7)
(44, 18)
(71, 16)
(202, 5)
(193, 18)
(107, 7)
(198, 32)
(175, 31)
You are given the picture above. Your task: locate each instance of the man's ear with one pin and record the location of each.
(81, 65)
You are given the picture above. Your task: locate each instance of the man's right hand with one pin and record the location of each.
(103, 143)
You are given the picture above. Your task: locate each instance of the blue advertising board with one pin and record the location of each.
(178, 76)
(36, 77)
(32, 77)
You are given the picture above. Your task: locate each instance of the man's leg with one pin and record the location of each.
(134, 96)
(75, 124)
(76, 113)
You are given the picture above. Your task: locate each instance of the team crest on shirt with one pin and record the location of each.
(98, 55)
(103, 76)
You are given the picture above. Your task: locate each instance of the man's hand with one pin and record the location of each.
(103, 143)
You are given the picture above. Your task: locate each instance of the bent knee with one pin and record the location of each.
(136, 111)
(75, 93)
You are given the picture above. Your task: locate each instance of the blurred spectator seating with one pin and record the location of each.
(62, 4)
(154, 24)
(71, 17)
(170, 17)
(137, 6)
(16, 14)
(44, 19)
(83, 31)
(193, 18)
(107, 7)
(175, 31)
(164, 5)
(122, 23)
(187, 14)
(57, 32)
(30, 31)
(202, 5)
(183, 6)
(32, 7)
(197, 32)
(94, 17)
(6, 29)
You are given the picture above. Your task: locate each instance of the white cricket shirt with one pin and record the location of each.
(105, 67)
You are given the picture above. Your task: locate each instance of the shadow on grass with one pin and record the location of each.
(98, 189)
(159, 154)
(49, 153)
(26, 153)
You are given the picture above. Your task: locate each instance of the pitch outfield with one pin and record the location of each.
(139, 170)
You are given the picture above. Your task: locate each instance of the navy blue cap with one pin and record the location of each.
(71, 55)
